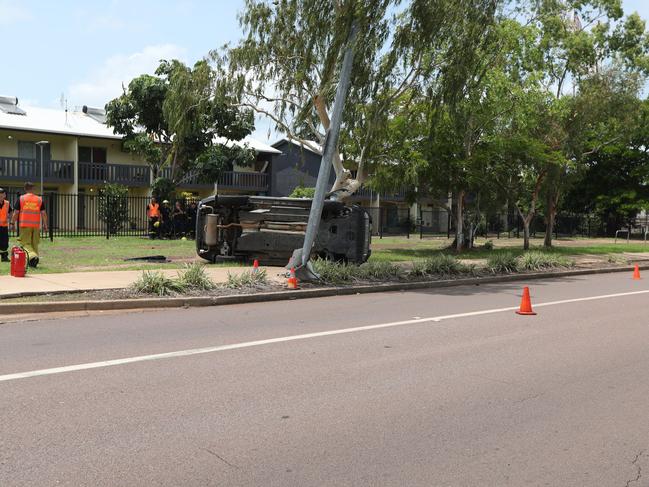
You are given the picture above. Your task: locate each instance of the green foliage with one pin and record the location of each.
(488, 245)
(502, 263)
(163, 189)
(340, 273)
(193, 276)
(156, 283)
(248, 279)
(439, 265)
(172, 119)
(302, 192)
(211, 163)
(113, 206)
(535, 260)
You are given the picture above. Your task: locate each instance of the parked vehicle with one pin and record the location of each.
(269, 229)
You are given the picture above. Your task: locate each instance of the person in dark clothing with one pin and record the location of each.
(191, 217)
(165, 214)
(179, 218)
(5, 218)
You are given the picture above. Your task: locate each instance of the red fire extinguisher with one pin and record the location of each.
(18, 262)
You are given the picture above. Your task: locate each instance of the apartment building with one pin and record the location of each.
(74, 152)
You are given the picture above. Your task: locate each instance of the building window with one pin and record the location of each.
(95, 155)
(29, 150)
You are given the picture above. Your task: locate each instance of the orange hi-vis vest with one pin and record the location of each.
(30, 211)
(4, 214)
(154, 210)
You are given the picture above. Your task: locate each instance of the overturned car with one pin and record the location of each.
(269, 229)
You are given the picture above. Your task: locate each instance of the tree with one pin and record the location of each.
(173, 118)
(570, 42)
(287, 66)
(613, 182)
(113, 207)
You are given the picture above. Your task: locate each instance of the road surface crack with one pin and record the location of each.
(220, 458)
(638, 467)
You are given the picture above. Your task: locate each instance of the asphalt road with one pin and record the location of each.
(352, 391)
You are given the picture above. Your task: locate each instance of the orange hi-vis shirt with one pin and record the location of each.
(30, 211)
(154, 210)
(4, 214)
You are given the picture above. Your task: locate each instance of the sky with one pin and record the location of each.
(82, 51)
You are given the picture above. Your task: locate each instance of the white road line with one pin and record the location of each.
(291, 338)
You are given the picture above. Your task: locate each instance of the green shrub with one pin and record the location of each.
(247, 279)
(302, 192)
(488, 245)
(340, 273)
(113, 206)
(334, 272)
(440, 265)
(535, 260)
(155, 282)
(194, 277)
(502, 263)
(378, 271)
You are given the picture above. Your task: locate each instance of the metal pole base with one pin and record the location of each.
(305, 273)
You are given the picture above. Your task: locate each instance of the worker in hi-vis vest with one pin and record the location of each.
(153, 214)
(30, 209)
(5, 216)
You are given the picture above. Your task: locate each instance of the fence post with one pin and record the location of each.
(107, 216)
(51, 206)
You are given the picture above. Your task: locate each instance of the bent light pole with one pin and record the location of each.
(300, 258)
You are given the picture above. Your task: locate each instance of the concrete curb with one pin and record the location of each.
(186, 302)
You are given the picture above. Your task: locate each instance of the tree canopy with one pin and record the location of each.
(173, 119)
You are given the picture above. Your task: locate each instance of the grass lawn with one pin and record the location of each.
(399, 249)
(78, 254)
(83, 254)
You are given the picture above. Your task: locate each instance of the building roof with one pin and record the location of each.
(312, 144)
(85, 122)
(51, 121)
(249, 142)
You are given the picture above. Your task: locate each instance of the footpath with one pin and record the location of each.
(95, 281)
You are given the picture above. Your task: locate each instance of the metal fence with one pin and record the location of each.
(392, 221)
(92, 214)
(88, 215)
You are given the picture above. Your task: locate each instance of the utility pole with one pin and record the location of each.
(300, 258)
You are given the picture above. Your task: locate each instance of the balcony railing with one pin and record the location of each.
(243, 181)
(126, 174)
(30, 170)
(365, 192)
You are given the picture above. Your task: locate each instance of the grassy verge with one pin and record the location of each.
(81, 254)
(399, 249)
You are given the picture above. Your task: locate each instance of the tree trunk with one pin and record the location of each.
(550, 218)
(459, 221)
(549, 227)
(526, 233)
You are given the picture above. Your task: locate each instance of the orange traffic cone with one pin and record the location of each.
(255, 266)
(636, 273)
(291, 282)
(526, 303)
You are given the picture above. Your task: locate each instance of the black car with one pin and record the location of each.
(270, 229)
